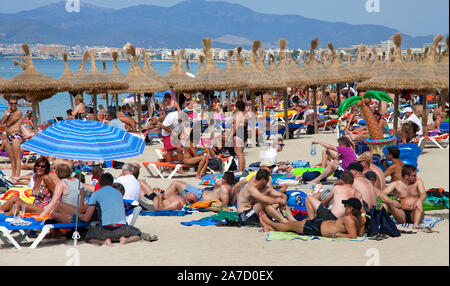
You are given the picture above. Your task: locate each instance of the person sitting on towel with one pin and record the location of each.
(328, 206)
(351, 225)
(258, 196)
(411, 194)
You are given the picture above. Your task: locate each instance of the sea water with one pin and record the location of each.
(60, 102)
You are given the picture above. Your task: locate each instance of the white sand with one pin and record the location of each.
(180, 245)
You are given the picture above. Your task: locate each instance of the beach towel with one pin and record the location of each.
(24, 193)
(428, 222)
(301, 164)
(220, 217)
(279, 235)
(300, 171)
(165, 213)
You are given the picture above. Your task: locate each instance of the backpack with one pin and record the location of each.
(380, 222)
(215, 164)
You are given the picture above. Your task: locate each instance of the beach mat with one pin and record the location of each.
(221, 216)
(279, 235)
(428, 222)
(164, 213)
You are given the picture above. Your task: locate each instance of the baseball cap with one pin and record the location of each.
(266, 163)
(407, 109)
(353, 202)
(371, 176)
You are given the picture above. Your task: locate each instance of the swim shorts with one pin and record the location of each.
(248, 217)
(408, 216)
(324, 213)
(13, 136)
(312, 227)
(167, 143)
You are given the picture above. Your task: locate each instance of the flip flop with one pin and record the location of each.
(148, 237)
(428, 230)
(407, 231)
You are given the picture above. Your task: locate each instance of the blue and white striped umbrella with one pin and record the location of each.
(85, 140)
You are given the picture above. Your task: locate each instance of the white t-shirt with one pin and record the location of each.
(171, 122)
(117, 123)
(132, 187)
(270, 155)
(416, 120)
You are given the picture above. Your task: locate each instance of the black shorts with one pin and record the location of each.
(114, 233)
(312, 227)
(408, 216)
(248, 217)
(324, 213)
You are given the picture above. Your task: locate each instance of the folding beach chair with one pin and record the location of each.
(153, 168)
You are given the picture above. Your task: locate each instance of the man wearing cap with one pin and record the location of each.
(366, 161)
(411, 116)
(316, 206)
(351, 225)
(411, 195)
(363, 185)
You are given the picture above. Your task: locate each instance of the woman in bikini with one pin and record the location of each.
(240, 133)
(43, 187)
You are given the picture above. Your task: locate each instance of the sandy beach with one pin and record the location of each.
(180, 245)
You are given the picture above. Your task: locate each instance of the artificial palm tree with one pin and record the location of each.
(363, 102)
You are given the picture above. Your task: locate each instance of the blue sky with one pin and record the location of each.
(413, 17)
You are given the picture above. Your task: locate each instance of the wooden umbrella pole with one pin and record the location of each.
(252, 99)
(444, 95)
(116, 96)
(134, 105)
(107, 101)
(338, 95)
(71, 100)
(95, 105)
(316, 125)
(285, 107)
(33, 106)
(396, 101)
(38, 113)
(139, 112)
(307, 95)
(425, 115)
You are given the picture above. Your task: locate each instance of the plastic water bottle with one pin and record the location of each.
(313, 149)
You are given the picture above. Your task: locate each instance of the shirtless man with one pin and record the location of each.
(222, 190)
(394, 170)
(256, 197)
(363, 185)
(316, 208)
(351, 225)
(13, 120)
(366, 161)
(411, 194)
(191, 157)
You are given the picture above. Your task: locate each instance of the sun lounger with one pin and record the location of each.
(152, 168)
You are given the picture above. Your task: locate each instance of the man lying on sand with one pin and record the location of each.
(411, 194)
(351, 225)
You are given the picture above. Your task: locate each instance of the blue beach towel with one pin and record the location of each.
(204, 222)
(164, 213)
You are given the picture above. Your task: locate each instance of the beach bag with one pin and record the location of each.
(215, 164)
(380, 223)
(301, 164)
(309, 176)
(310, 129)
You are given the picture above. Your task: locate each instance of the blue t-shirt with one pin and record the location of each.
(109, 204)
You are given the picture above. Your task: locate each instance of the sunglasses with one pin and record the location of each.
(41, 166)
(13, 103)
(282, 145)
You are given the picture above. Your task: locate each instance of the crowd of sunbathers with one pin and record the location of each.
(336, 213)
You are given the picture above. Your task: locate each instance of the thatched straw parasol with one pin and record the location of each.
(177, 78)
(31, 82)
(336, 71)
(444, 70)
(2, 83)
(150, 70)
(360, 70)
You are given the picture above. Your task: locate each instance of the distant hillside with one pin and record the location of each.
(183, 26)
